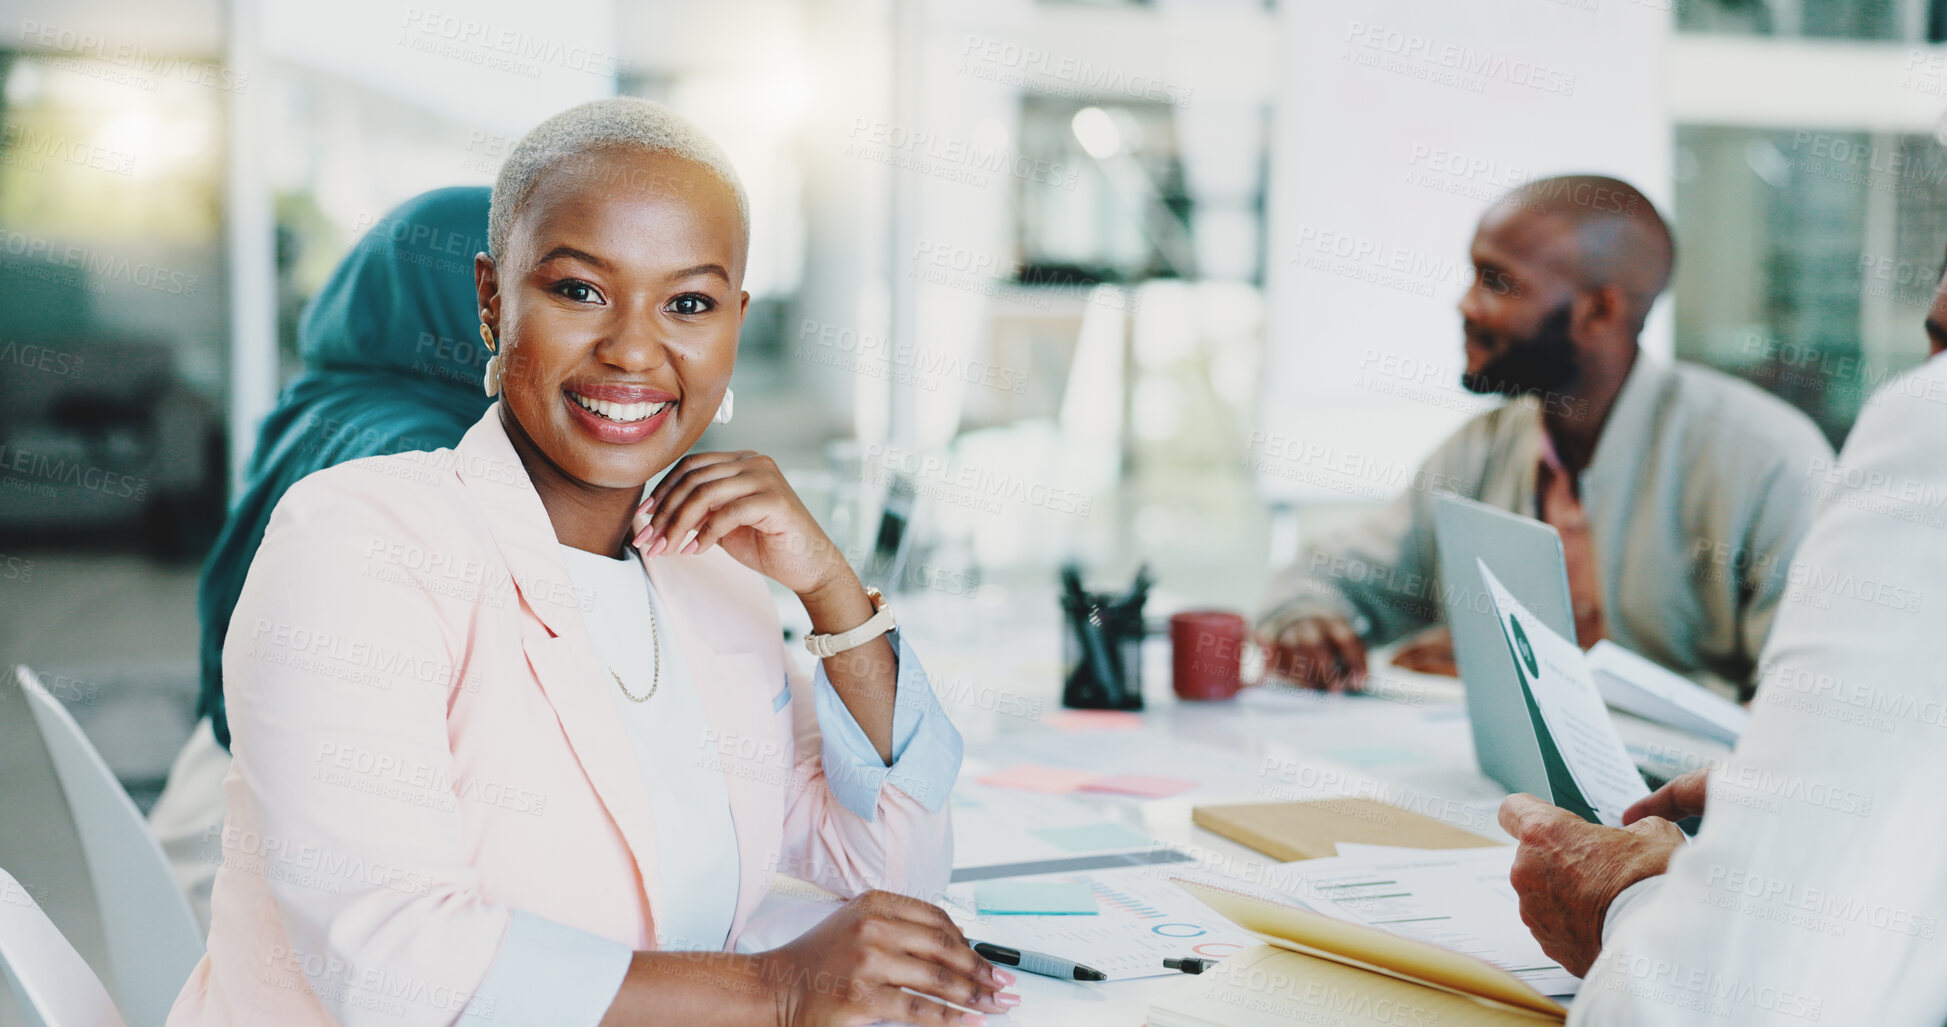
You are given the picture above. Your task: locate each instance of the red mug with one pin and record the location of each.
(1207, 654)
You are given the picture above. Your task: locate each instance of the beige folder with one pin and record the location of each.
(1286, 831)
(1314, 969)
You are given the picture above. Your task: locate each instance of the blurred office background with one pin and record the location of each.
(1166, 281)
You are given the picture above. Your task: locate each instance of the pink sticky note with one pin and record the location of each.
(1148, 786)
(1093, 720)
(1029, 777)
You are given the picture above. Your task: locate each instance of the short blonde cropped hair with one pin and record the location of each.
(622, 121)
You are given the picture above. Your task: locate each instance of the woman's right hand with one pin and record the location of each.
(850, 968)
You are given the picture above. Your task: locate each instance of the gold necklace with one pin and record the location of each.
(656, 641)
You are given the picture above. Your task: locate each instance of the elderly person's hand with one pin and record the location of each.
(1681, 799)
(1568, 871)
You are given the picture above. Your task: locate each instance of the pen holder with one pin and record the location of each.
(1118, 631)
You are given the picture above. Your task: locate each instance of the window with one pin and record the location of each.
(1112, 205)
(1806, 260)
(1819, 19)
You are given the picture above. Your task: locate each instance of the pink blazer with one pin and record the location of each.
(424, 743)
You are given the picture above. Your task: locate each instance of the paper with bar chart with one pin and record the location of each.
(1141, 919)
(1456, 898)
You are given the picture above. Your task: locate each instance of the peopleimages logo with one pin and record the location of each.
(130, 57)
(951, 157)
(97, 266)
(40, 358)
(876, 356)
(1449, 63)
(452, 35)
(1062, 75)
(28, 148)
(22, 465)
(936, 477)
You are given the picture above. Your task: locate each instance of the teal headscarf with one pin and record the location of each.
(393, 363)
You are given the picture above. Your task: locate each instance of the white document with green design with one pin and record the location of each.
(1588, 767)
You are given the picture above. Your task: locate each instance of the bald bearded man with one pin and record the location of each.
(1680, 493)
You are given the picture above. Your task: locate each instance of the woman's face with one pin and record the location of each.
(617, 305)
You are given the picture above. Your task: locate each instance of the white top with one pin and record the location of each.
(1815, 892)
(696, 887)
(547, 972)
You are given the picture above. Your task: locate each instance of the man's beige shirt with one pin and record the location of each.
(1697, 495)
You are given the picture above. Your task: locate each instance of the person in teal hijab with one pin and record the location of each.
(393, 362)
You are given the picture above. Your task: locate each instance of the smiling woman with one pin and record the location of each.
(510, 735)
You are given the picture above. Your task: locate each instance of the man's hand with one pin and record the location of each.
(1429, 652)
(1568, 870)
(1319, 650)
(1681, 799)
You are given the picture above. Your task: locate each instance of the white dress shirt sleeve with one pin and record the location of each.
(1619, 907)
(1814, 892)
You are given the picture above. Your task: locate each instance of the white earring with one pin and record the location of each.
(493, 362)
(726, 408)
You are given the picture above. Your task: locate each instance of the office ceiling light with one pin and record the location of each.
(24, 83)
(1097, 132)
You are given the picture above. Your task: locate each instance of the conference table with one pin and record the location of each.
(995, 663)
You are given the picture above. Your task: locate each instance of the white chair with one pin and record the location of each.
(50, 981)
(151, 938)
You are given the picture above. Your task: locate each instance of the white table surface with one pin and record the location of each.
(995, 662)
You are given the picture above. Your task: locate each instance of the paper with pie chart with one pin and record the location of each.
(1556, 674)
(1141, 919)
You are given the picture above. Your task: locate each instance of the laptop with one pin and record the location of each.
(1526, 556)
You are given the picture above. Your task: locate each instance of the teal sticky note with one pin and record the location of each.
(1034, 898)
(1105, 837)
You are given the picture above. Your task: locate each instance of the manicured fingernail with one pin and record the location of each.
(690, 549)
(657, 546)
(1008, 999)
(1003, 976)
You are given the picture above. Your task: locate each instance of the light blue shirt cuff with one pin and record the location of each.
(547, 972)
(925, 744)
